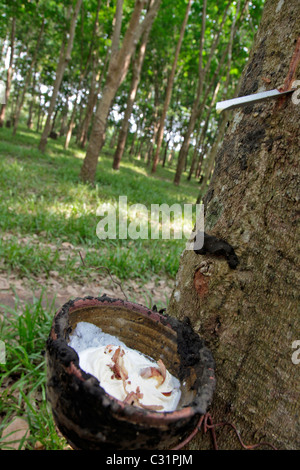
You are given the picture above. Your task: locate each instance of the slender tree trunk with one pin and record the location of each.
(40, 112)
(249, 316)
(64, 118)
(32, 100)
(117, 71)
(201, 135)
(153, 126)
(72, 120)
(65, 57)
(9, 71)
(194, 113)
(137, 68)
(197, 108)
(160, 132)
(95, 87)
(210, 160)
(166, 152)
(82, 77)
(28, 78)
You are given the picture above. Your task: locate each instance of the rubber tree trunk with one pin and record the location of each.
(28, 77)
(249, 316)
(95, 88)
(9, 74)
(202, 132)
(198, 104)
(65, 57)
(160, 131)
(136, 74)
(116, 73)
(32, 99)
(82, 76)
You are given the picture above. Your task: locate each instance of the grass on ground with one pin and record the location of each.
(41, 195)
(44, 205)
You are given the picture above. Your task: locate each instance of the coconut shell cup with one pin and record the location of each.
(91, 419)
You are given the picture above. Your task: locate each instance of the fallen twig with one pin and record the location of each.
(109, 273)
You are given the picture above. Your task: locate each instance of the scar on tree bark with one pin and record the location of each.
(217, 247)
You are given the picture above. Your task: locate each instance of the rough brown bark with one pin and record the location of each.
(194, 112)
(117, 70)
(202, 132)
(198, 104)
(28, 77)
(9, 71)
(83, 73)
(137, 68)
(65, 57)
(249, 316)
(161, 127)
(95, 88)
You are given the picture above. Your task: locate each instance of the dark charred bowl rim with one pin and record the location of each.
(148, 417)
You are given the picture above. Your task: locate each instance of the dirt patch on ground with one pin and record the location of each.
(15, 289)
(23, 290)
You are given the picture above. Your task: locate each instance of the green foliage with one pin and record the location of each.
(24, 330)
(42, 196)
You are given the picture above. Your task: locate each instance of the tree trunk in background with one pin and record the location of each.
(32, 100)
(195, 112)
(201, 135)
(198, 108)
(249, 316)
(72, 119)
(92, 99)
(136, 74)
(210, 159)
(117, 71)
(9, 71)
(160, 132)
(65, 57)
(82, 76)
(28, 77)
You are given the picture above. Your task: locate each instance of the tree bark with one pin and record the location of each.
(137, 68)
(28, 77)
(117, 70)
(195, 112)
(83, 73)
(249, 316)
(9, 71)
(65, 57)
(201, 135)
(95, 88)
(29, 122)
(161, 127)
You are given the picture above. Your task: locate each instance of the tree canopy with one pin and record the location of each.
(57, 82)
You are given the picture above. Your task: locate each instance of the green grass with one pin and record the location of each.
(41, 194)
(43, 204)
(23, 376)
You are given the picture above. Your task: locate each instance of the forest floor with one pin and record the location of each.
(50, 253)
(58, 289)
(48, 225)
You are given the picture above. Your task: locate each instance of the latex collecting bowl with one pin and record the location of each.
(87, 416)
